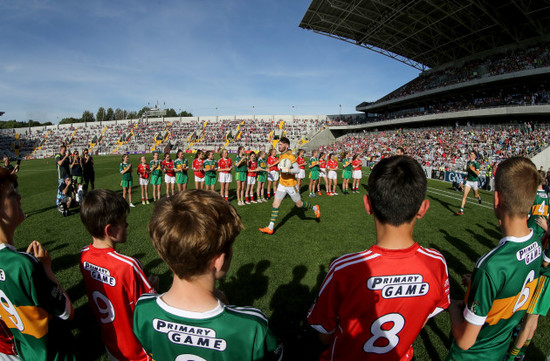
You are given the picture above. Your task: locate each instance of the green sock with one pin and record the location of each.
(513, 353)
(524, 348)
(306, 205)
(274, 214)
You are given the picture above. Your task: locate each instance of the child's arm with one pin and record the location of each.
(463, 331)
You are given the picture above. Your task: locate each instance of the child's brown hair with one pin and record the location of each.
(517, 180)
(191, 228)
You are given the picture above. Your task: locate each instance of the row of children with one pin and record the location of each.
(252, 172)
(371, 305)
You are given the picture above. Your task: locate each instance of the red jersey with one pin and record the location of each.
(7, 347)
(252, 165)
(375, 302)
(356, 164)
(301, 162)
(169, 168)
(322, 164)
(332, 164)
(270, 162)
(197, 167)
(114, 283)
(143, 170)
(225, 163)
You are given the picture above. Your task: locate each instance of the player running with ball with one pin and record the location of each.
(287, 185)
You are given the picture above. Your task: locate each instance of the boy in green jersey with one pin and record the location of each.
(193, 232)
(156, 175)
(313, 165)
(504, 280)
(210, 171)
(32, 302)
(346, 173)
(182, 165)
(472, 181)
(126, 179)
(538, 222)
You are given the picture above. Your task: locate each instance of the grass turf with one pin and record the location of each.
(280, 274)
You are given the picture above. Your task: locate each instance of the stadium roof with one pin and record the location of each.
(429, 33)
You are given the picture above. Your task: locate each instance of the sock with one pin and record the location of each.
(273, 219)
(315, 208)
(513, 353)
(524, 348)
(247, 198)
(306, 205)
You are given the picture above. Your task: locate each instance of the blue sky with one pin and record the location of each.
(58, 58)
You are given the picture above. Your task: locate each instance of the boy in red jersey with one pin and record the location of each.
(356, 173)
(198, 169)
(373, 304)
(114, 282)
(273, 171)
(143, 171)
(169, 175)
(302, 164)
(225, 164)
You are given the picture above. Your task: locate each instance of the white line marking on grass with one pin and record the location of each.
(449, 195)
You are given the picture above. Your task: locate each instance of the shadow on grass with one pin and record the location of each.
(39, 211)
(249, 284)
(445, 204)
(88, 341)
(290, 304)
(493, 233)
(460, 245)
(66, 261)
(482, 239)
(453, 263)
(295, 211)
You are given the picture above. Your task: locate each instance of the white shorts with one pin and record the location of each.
(322, 173)
(273, 176)
(356, 174)
(332, 174)
(472, 184)
(302, 174)
(199, 179)
(250, 180)
(143, 181)
(282, 191)
(225, 178)
(169, 179)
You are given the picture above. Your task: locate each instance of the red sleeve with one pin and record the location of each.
(323, 314)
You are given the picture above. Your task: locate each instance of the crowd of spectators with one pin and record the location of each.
(498, 64)
(448, 147)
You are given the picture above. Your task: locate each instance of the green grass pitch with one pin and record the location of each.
(279, 274)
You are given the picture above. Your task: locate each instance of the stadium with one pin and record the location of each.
(483, 85)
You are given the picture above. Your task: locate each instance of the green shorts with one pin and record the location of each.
(346, 174)
(210, 180)
(314, 175)
(540, 302)
(156, 179)
(126, 183)
(241, 176)
(181, 178)
(262, 177)
(77, 179)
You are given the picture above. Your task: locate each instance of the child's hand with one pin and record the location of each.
(466, 279)
(542, 223)
(37, 250)
(154, 280)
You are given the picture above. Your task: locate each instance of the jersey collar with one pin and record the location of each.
(516, 239)
(189, 314)
(8, 246)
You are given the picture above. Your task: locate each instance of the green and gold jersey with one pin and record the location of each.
(155, 166)
(262, 163)
(29, 300)
(243, 167)
(181, 163)
(128, 175)
(502, 285)
(539, 209)
(311, 163)
(472, 176)
(346, 162)
(224, 333)
(210, 167)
